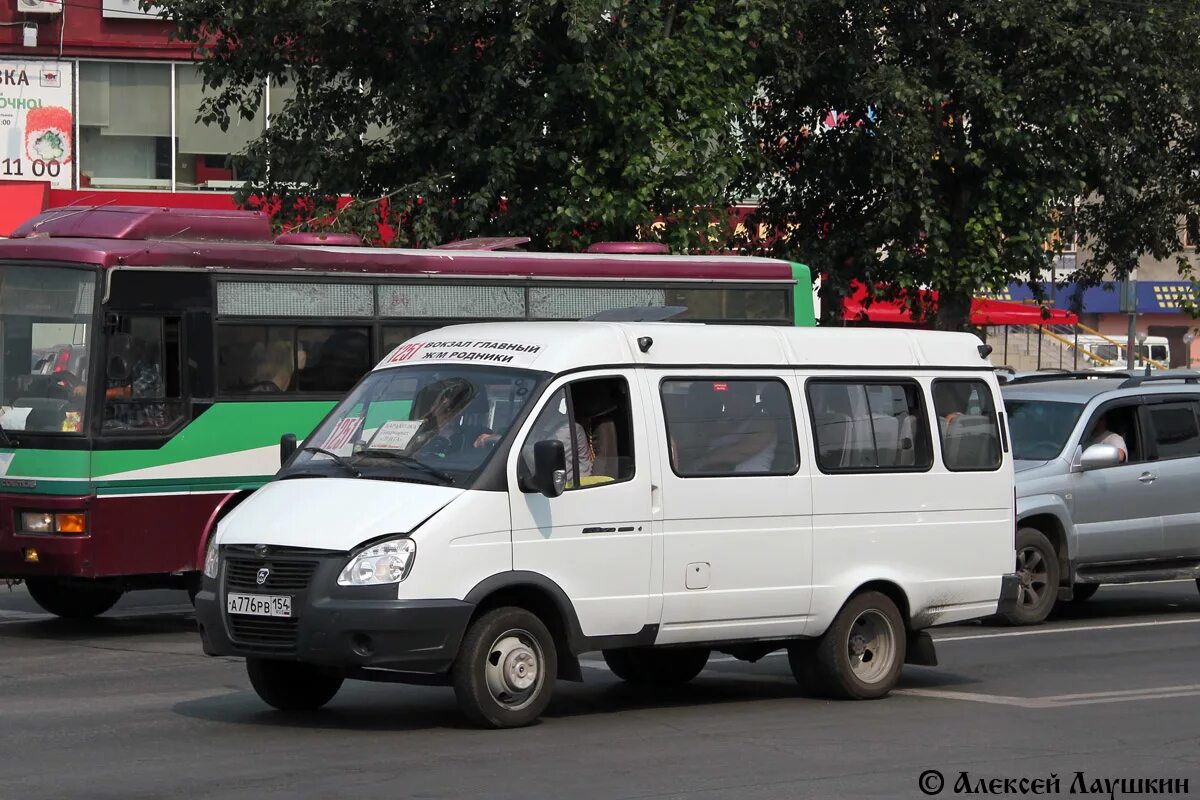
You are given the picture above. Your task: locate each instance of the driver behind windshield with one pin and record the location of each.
(439, 405)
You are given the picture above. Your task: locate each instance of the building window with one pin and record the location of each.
(124, 125)
(204, 153)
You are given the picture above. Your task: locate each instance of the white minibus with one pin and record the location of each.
(494, 500)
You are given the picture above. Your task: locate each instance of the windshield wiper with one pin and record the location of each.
(4, 440)
(341, 462)
(410, 461)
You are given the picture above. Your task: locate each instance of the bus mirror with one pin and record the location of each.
(287, 446)
(549, 468)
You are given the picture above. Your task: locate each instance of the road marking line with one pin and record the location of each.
(1075, 629)
(1058, 701)
(19, 617)
(23, 615)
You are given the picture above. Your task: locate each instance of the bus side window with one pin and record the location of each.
(143, 375)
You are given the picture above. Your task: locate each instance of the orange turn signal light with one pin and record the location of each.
(31, 555)
(70, 523)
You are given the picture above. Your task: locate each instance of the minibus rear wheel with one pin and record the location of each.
(506, 668)
(291, 685)
(860, 656)
(645, 666)
(74, 599)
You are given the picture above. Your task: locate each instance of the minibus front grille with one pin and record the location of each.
(242, 574)
(264, 634)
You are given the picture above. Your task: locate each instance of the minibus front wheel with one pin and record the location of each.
(505, 670)
(291, 685)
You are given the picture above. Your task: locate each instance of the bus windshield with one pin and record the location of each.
(45, 329)
(427, 424)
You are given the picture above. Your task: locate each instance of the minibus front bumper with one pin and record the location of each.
(343, 627)
(1010, 586)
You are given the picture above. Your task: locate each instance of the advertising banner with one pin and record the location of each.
(37, 129)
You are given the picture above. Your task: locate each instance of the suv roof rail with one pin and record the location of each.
(1079, 375)
(1185, 375)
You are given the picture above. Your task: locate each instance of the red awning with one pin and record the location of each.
(19, 201)
(983, 311)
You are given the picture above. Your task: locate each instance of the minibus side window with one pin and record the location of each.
(869, 426)
(592, 419)
(967, 425)
(727, 427)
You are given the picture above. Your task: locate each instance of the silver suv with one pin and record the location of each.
(1092, 512)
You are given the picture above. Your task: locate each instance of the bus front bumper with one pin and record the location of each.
(337, 630)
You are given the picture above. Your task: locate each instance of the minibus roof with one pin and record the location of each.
(564, 346)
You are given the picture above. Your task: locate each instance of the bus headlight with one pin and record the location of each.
(386, 562)
(211, 558)
(47, 522)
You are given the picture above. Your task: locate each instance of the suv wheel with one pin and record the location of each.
(1037, 569)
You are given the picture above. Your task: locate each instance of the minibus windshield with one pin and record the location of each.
(45, 327)
(1040, 428)
(421, 423)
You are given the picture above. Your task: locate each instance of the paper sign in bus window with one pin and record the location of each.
(342, 433)
(395, 434)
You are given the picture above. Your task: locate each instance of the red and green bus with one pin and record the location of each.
(152, 359)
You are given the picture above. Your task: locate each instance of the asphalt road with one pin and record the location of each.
(129, 708)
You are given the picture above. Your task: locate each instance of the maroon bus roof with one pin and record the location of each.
(133, 237)
(145, 222)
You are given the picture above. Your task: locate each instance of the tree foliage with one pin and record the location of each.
(565, 121)
(966, 133)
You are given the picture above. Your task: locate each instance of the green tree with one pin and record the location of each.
(566, 121)
(967, 131)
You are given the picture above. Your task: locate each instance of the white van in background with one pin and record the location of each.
(494, 500)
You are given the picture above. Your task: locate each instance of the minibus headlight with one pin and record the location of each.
(386, 562)
(211, 558)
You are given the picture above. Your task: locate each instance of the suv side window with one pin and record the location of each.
(1176, 432)
(1117, 425)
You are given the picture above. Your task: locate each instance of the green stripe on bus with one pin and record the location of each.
(48, 464)
(223, 429)
(802, 301)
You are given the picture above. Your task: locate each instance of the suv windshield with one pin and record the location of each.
(432, 424)
(1040, 428)
(45, 327)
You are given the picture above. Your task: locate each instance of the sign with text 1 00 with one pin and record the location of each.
(37, 128)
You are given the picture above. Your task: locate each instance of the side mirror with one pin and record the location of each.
(549, 468)
(1099, 456)
(287, 446)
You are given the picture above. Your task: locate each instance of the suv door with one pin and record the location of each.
(1117, 510)
(1176, 425)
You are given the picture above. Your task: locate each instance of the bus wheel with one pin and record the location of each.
(506, 667)
(1037, 569)
(860, 656)
(656, 667)
(291, 685)
(76, 599)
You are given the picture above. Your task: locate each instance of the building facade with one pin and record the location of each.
(99, 105)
